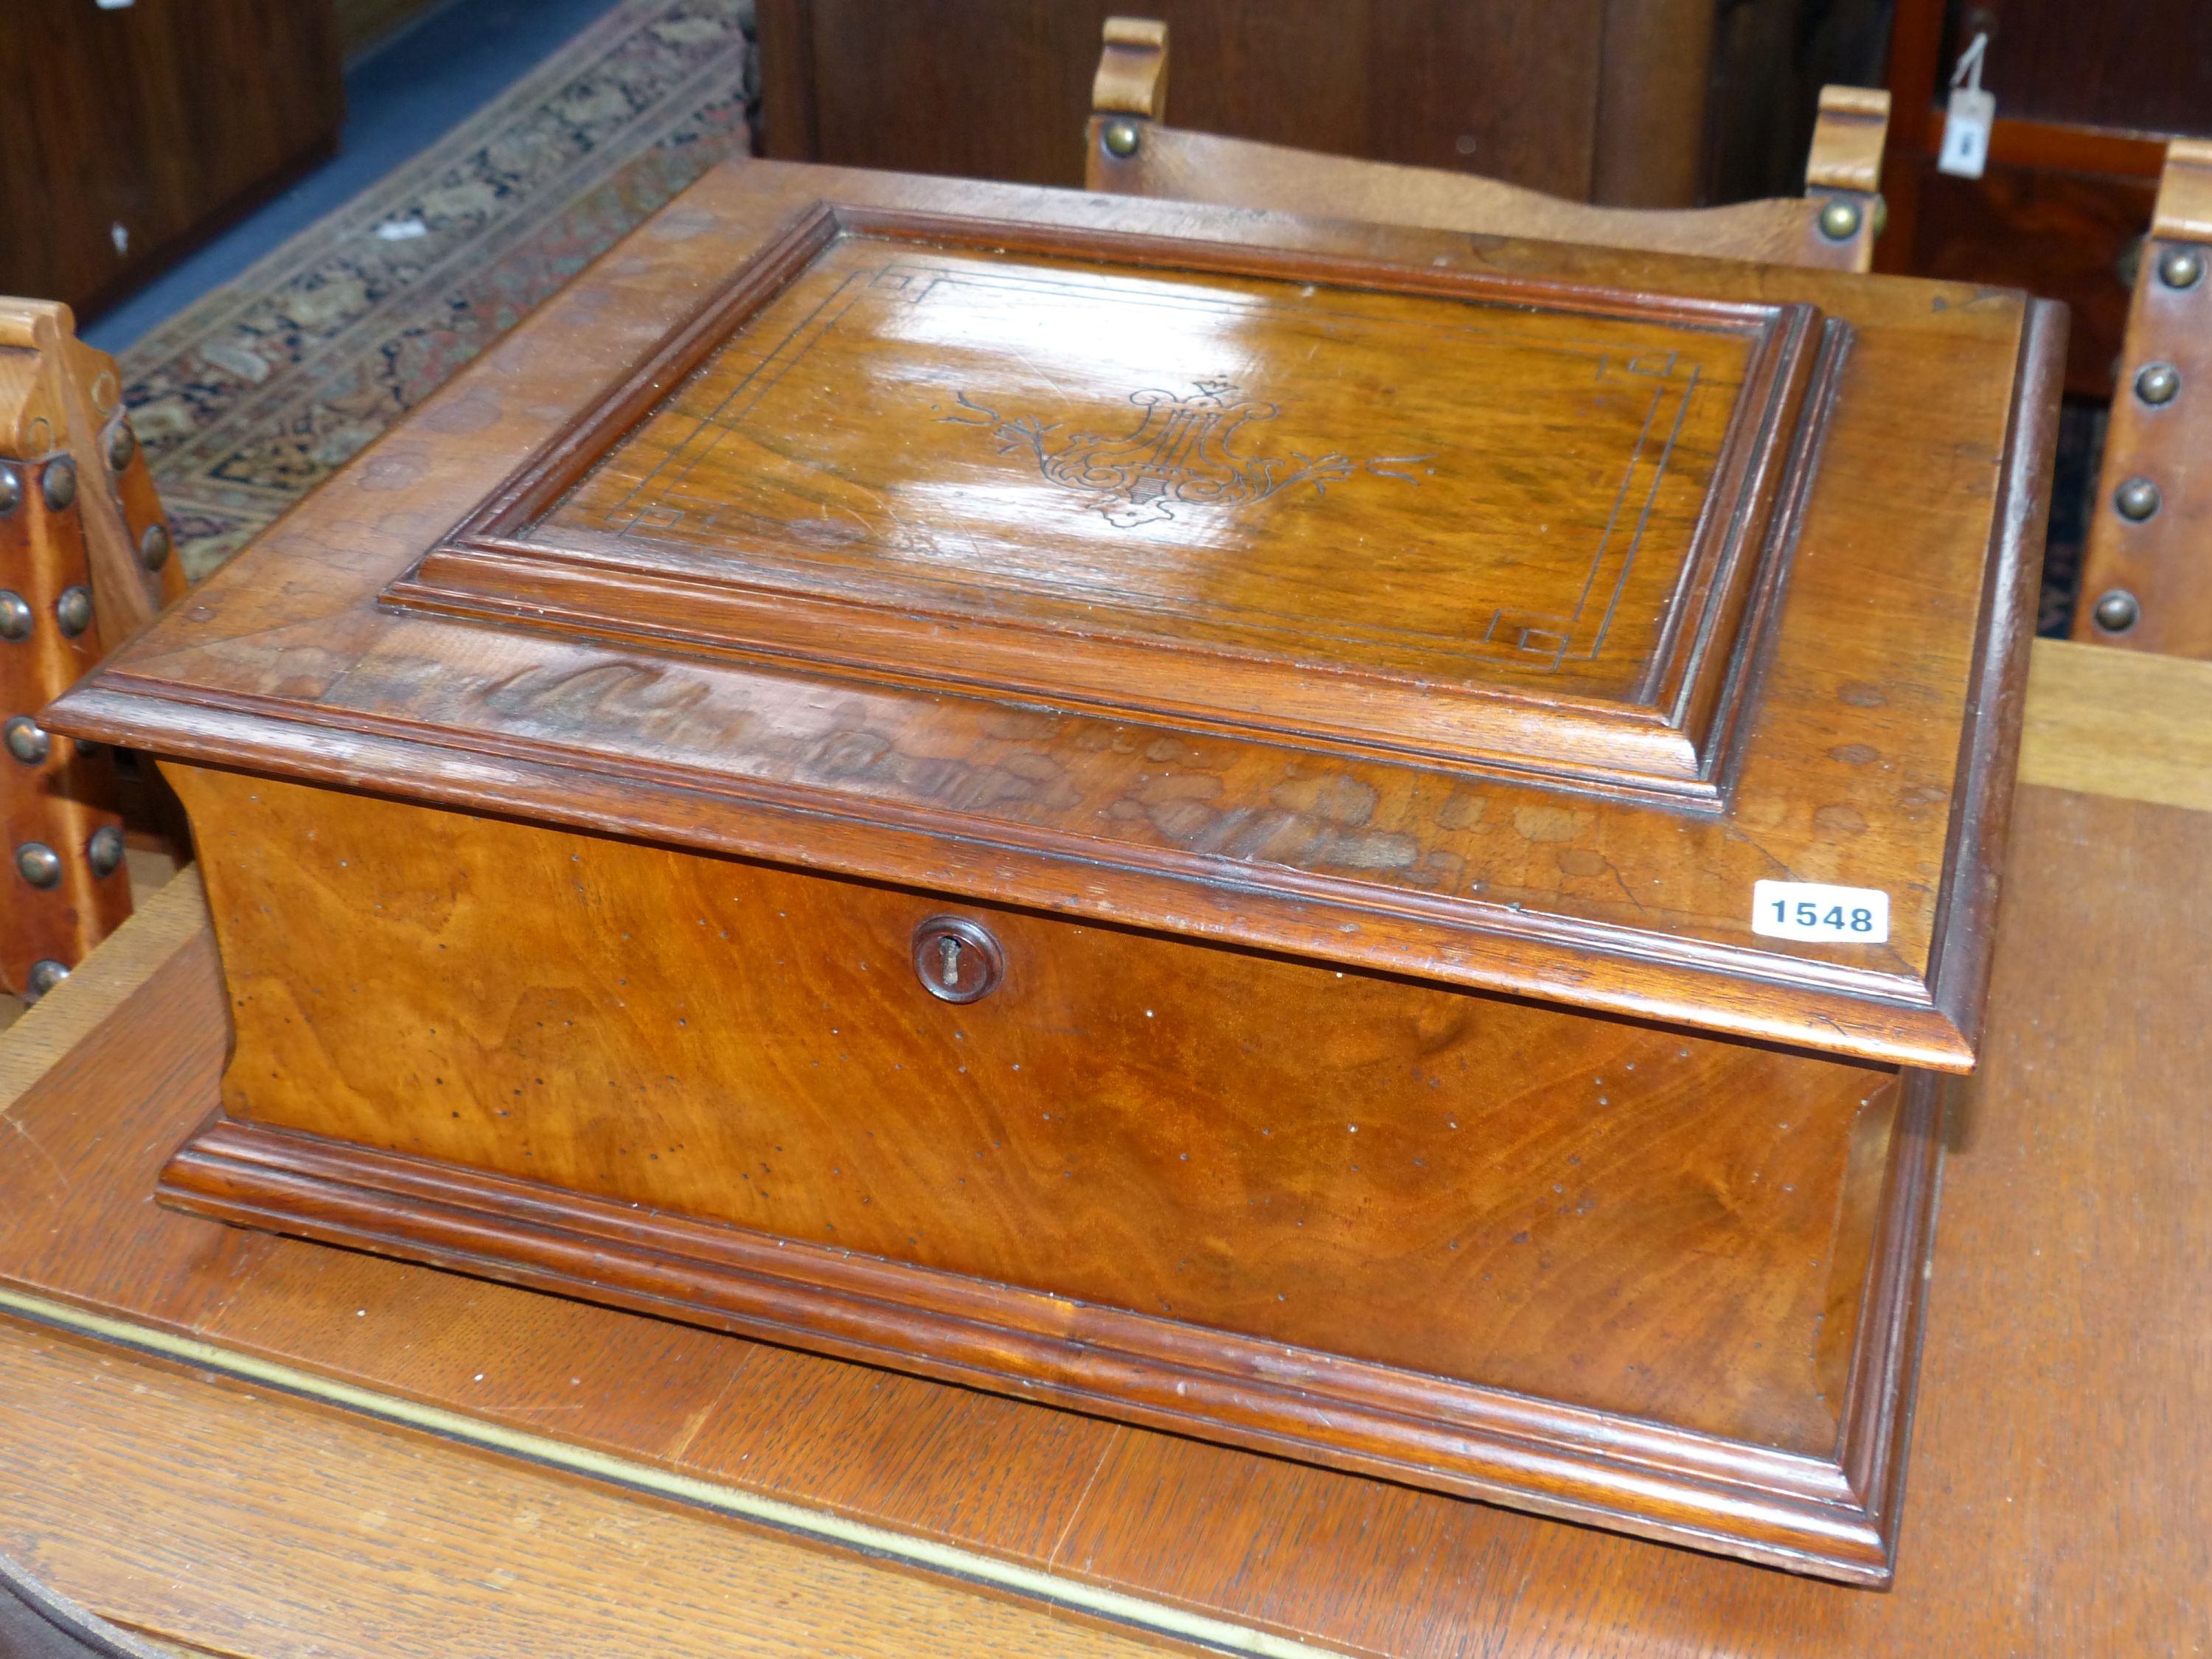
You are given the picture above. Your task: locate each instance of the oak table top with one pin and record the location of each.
(2062, 1468)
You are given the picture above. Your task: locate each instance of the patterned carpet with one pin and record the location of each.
(252, 396)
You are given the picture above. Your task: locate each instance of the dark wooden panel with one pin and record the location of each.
(1507, 91)
(2062, 203)
(155, 118)
(2142, 67)
(1657, 57)
(2060, 235)
(999, 89)
(1769, 60)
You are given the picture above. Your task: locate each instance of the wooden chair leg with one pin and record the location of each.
(2144, 584)
(85, 559)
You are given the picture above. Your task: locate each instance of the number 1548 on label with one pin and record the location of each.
(1814, 911)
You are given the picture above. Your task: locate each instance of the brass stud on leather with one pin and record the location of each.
(11, 488)
(59, 483)
(103, 850)
(2137, 500)
(16, 616)
(1840, 219)
(2156, 383)
(2128, 265)
(38, 864)
(2117, 612)
(73, 610)
(1122, 137)
(122, 445)
(25, 740)
(45, 974)
(2181, 267)
(153, 547)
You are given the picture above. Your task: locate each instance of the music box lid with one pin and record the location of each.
(1639, 633)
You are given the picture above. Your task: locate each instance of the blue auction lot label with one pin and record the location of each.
(1814, 911)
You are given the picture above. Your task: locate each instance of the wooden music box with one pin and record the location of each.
(1364, 842)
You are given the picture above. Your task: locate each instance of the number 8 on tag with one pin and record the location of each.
(1814, 911)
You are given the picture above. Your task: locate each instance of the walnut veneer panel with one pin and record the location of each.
(1612, 1214)
(1611, 1270)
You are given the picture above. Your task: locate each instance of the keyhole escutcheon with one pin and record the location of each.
(956, 959)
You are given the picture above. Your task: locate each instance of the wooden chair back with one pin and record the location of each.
(1133, 152)
(85, 560)
(2144, 584)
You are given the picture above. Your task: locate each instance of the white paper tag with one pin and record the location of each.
(1814, 911)
(1965, 149)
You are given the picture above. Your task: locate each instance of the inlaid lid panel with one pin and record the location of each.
(1194, 458)
(1514, 528)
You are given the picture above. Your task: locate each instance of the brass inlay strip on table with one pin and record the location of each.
(937, 1557)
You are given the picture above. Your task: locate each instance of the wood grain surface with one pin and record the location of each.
(1187, 166)
(174, 917)
(1853, 762)
(1612, 1269)
(1068, 482)
(401, 1545)
(2053, 230)
(2105, 723)
(2069, 1246)
(1587, 99)
(123, 131)
(1549, 1178)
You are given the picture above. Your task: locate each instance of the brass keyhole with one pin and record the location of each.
(956, 959)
